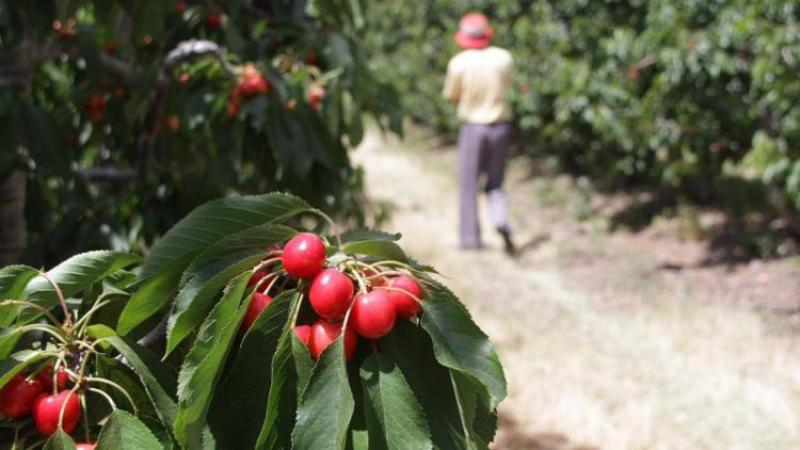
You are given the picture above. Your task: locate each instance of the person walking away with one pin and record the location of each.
(478, 81)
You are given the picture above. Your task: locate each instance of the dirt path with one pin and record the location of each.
(602, 347)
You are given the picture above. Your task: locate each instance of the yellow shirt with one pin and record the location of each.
(480, 80)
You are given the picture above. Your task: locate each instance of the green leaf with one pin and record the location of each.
(203, 365)
(328, 390)
(458, 342)
(155, 376)
(304, 363)
(59, 441)
(14, 278)
(17, 362)
(411, 349)
(259, 237)
(196, 297)
(240, 402)
(394, 418)
(282, 400)
(216, 220)
(72, 276)
(123, 431)
(377, 248)
(367, 234)
(151, 297)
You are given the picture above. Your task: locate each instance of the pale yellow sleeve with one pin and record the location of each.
(452, 83)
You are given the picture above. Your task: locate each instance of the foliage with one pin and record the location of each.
(672, 94)
(433, 382)
(125, 124)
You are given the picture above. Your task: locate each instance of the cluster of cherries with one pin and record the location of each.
(251, 83)
(43, 395)
(373, 308)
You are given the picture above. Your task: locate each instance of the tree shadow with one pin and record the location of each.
(753, 223)
(512, 436)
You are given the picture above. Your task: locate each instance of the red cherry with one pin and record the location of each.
(96, 107)
(18, 396)
(303, 256)
(375, 280)
(404, 302)
(234, 102)
(47, 410)
(45, 376)
(214, 20)
(257, 277)
(311, 58)
(257, 304)
(253, 83)
(180, 6)
(323, 333)
(315, 95)
(373, 314)
(331, 294)
(184, 78)
(303, 333)
(84, 446)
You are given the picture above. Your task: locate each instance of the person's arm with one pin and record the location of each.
(452, 84)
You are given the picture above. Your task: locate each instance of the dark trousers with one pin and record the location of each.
(482, 150)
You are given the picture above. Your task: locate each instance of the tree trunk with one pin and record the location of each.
(12, 217)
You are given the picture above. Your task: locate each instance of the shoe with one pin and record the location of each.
(510, 248)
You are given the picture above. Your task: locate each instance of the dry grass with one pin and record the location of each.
(601, 349)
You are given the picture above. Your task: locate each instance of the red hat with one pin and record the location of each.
(474, 31)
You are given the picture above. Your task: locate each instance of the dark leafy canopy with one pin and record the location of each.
(101, 123)
(432, 383)
(675, 94)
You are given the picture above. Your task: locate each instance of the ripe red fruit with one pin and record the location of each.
(375, 279)
(234, 102)
(323, 333)
(257, 277)
(180, 6)
(404, 302)
(18, 396)
(315, 95)
(257, 304)
(214, 20)
(184, 78)
(331, 294)
(45, 376)
(47, 410)
(303, 333)
(304, 255)
(85, 446)
(311, 58)
(373, 314)
(253, 82)
(96, 107)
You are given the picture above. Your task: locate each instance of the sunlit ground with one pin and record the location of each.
(603, 347)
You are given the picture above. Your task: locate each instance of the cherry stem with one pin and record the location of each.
(86, 433)
(40, 308)
(296, 311)
(271, 284)
(266, 263)
(267, 277)
(60, 295)
(43, 328)
(334, 228)
(416, 299)
(106, 396)
(73, 391)
(85, 319)
(118, 387)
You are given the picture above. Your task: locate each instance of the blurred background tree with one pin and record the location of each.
(124, 115)
(692, 99)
